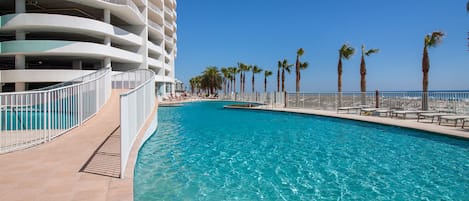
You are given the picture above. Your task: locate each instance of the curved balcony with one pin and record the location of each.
(125, 9)
(155, 29)
(154, 48)
(67, 48)
(43, 75)
(67, 24)
(154, 8)
(155, 63)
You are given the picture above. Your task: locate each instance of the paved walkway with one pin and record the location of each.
(83, 164)
(425, 125)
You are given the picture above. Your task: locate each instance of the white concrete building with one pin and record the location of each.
(43, 42)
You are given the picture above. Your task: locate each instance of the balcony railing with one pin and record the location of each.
(129, 3)
(34, 117)
(155, 8)
(155, 25)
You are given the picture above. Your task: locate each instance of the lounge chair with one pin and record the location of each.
(367, 110)
(433, 115)
(454, 118)
(348, 109)
(386, 111)
(464, 121)
(404, 113)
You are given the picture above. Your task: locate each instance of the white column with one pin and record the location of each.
(107, 39)
(20, 63)
(20, 6)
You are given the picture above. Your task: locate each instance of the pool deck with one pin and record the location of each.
(83, 164)
(424, 125)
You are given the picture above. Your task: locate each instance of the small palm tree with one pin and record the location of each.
(345, 52)
(285, 67)
(233, 72)
(254, 71)
(278, 75)
(430, 40)
(211, 79)
(267, 73)
(226, 74)
(363, 72)
(299, 53)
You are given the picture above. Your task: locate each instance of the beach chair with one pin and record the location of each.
(454, 118)
(386, 111)
(353, 108)
(404, 113)
(464, 121)
(433, 115)
(367, 110)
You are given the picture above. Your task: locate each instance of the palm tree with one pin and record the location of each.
(299, 53)
(345, 52)
(211, 79)
(195, 83)
(233, 72)
(267, 73)
(254, 71)
(430, 40)
(226, 74)
(363, 72)
(244, 68)
(278, 75)
(285, 67)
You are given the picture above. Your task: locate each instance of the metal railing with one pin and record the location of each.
(33, 117)
(457, 102)
(271, 99)
(135, 107)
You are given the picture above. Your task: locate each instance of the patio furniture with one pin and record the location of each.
(454, 118)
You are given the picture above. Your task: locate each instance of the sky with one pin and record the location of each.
(261, 32)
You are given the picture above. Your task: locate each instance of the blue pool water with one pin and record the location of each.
(204, 152)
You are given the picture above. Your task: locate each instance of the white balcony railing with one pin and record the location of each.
(155, 8)
(155, 25)
(129, 3)
(135, 107)
(33, 117)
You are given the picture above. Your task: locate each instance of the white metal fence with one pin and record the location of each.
(34, 117)
(273, 99)
(457, 102)
(135, 107)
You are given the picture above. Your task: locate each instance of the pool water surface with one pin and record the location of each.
(203, 152)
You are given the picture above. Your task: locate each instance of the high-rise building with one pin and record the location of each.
(43, 42)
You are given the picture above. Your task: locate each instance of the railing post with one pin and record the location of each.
(49, 116)
(377, 98)
(285, 99)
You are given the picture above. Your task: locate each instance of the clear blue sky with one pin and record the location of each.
(221, 33)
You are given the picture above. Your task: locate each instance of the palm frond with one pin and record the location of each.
(300, 52)
(371, 51)
(267, 73)
(304, 65)
(346, 51)
(434, 38)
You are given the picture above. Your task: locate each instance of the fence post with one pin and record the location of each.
(377, 98)
(285, 99)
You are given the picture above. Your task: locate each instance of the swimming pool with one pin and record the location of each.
(204, 152)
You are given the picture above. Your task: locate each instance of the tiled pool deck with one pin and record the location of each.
(83, 164)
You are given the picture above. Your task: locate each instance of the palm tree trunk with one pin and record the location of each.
(425, 70)
(283, 80)
(297, 79)
(265, 84)
(363, 80)
(278, 80)
(252, 82)
(339, 83)
(234, 83)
